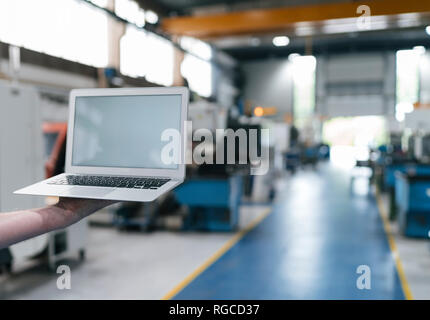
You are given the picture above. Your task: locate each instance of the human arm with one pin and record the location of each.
(21, 225)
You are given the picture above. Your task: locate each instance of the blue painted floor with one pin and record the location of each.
(309, 248)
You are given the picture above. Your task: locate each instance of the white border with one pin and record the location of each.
(176, 174)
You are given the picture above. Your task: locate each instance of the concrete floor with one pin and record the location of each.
(415, 258)
(319, 233)
(124, 265)
(306, 226)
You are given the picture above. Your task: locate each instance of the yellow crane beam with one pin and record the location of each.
(272, 20)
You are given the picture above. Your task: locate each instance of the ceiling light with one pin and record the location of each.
(151, 17)
(281, 41)
(292, 56)
(255, 42)
(428, 30)
(258, 111)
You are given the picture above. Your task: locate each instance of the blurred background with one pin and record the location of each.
(344, 90)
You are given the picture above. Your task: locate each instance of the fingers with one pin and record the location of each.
(83, 205)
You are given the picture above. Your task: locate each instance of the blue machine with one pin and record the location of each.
(213, 202)
(292, 160)
(406, 168)
(324, 152)
(412, 194)
(390, 171)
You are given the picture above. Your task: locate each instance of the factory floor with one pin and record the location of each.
(307, 245)
(124, 265)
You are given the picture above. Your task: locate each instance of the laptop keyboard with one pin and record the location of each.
(113, 182)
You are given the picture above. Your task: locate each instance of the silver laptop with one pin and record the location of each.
(114, 145)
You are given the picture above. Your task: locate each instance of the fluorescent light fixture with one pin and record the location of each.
(258, 111)
(151, 17)
(255, 42)
(130, 11)
(197, 47)
(281, 41)
(303, 31)
(420, 49)
(292, 56)
(428, 30)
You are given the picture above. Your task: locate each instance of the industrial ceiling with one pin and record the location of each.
(245, 28)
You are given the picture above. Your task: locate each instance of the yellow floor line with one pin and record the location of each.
(393, 247)
(218, 254)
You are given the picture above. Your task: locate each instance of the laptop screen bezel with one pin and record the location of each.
(176, 173)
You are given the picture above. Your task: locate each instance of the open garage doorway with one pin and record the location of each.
(351, 138)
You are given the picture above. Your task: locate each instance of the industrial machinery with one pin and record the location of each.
(411, 183)
(419, 147)
(212, 193)
(61, 243)
(21, 159)
(408, 168)
(5, 260)
(212, 203)
(22, 163)
(411, 160)
(55, 147)
(412, 194)
(210, 197)
(386, 155)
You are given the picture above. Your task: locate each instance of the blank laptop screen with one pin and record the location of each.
(123, 131)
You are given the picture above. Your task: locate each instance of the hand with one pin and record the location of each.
(81, 204)
(75, 209)
(21, 225)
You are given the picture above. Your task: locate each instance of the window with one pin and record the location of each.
(49, 26)
(196, 67)
(132, 48)
(144, 54)
(407, 81)
(351, 137)
(159, 53)
(197, 47)
(303, 68)
(198, 74)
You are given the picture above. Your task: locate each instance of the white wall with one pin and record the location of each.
(425, 78)
(269, 84)
(224, 89)
(49, 77)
